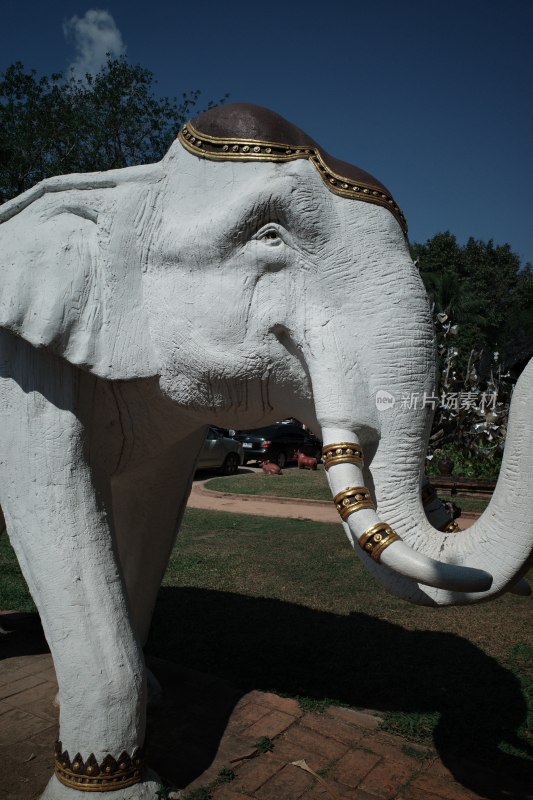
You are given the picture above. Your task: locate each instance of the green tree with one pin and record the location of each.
(482, 301)
(439, 254)
(520, 324)
(482, 287)
(51, 126)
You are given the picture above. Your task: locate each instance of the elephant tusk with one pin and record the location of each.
(342, 462)
(422, 569)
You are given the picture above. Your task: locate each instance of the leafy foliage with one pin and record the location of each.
(481, 286)
(466, 464)
(51, 126)
(482, 300)
(470, 422)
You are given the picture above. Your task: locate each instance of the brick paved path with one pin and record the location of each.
(206, 731)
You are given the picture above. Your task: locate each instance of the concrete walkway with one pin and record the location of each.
(263, 505)
(260, 505)
(228, 745)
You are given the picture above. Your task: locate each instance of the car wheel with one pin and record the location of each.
(281, 460)
(231, 464)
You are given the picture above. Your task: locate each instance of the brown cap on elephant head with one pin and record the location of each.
(246, 132)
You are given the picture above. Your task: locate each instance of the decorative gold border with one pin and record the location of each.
(450, 527)
(241, 149)
(90, 776)
(224, 148)
(354, 498)
(342, 453)
(377, 538)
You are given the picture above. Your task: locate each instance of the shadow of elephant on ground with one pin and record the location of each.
(266, 644)
(21, 635)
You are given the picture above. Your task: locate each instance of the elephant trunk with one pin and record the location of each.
(428, 566)
(340, 396)
(381, 346)
(399, 566)
(501, 541)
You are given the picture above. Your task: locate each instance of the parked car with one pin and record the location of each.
(220, 452)
(278, 443)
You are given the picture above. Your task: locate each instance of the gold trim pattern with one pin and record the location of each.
(451, 527)
(354, 498)
(90, 776)
(342, 453)
(377, 538)
(223, 148)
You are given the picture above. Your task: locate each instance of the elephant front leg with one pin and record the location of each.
(58, 516)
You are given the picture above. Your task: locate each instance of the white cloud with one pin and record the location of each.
(93, 36)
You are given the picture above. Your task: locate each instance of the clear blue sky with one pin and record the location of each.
(433, 98)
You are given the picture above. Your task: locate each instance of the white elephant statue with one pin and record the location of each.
(247, 277)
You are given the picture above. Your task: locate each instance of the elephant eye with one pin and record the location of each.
(270, 234)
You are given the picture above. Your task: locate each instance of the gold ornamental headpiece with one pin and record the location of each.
(246, 132)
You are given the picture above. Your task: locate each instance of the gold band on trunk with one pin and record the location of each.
(354, 498)
(90, 776)
(377, 538)
(342, 453)
(451, 527)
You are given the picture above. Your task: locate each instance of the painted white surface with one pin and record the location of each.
(140, 305)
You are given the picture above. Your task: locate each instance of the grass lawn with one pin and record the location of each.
(303, 483)
(14, 595)
(284, 605)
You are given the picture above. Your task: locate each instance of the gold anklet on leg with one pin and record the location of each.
(90, 776)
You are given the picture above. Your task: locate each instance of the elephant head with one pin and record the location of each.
(254, 276)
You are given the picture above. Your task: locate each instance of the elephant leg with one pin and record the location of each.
(148, 506)
(58, 514)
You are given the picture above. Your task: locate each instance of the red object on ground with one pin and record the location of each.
(306, 462)
(270, 468)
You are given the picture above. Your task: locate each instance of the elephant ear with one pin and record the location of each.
(70, 271)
